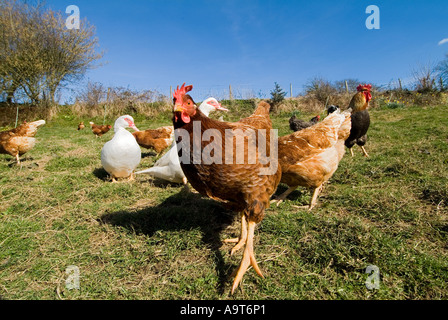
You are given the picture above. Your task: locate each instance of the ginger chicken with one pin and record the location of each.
(100, 130)
(156, 139)
(228, 169)
(81, 126)
(360, 118)
(20, 140)
(310, 157)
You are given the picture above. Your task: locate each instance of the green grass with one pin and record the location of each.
(150, 240)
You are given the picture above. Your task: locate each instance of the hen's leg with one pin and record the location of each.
(248, 257)
(283, 196)
(364, 152)
(186, 188)
(18, 160)
(351, 151)
(313, 201)
(243, 236)
(316, 193)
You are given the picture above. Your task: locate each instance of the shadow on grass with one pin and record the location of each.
(101, 174)
(11, 162)
(182, 211)
(295, 195)
(149, 154)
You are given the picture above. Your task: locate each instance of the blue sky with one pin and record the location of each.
(153, 44)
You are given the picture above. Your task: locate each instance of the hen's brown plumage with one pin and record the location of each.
(311, 156)
(20, 140)
(240, 187)
(81, 126)
(236, 185)
(157, 139)
(99, 130)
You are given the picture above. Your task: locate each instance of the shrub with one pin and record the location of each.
(277, 97)
(96, 100)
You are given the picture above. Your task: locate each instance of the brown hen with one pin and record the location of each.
(156, 139)
(310, 157)
(236, 177)
(20, 140)
(99, 130)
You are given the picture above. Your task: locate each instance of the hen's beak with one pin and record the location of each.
(221, 108)
(178, 108)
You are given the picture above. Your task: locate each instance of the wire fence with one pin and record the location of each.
(248, 91)
(228, 92)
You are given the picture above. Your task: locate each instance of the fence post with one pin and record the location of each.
(399, 82)
(230, 92)
(346, 86)
(290, 90)
(171, 92)
(105, 106)
(326, 103)
(17, 114)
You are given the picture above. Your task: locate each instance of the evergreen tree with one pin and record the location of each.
(277, 97)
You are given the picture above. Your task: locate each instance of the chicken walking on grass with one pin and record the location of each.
(100, 130)
(81, 126)
(156, 139)
(296, 124)
(16, 142)
(242, 187)
(360, 119)
(310, 157)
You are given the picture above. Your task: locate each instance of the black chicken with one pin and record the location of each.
(360, 119)
(332, 109)
(298, 124)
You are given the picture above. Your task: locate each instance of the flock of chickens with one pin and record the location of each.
(308, 157)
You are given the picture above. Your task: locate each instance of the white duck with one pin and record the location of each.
(122, 154)
(168, 167)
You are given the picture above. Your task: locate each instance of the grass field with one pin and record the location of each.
(150, 240)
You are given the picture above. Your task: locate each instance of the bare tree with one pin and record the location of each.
(320, 88)
(442, 73)
(347, 84)
(424, 77)
(38, 54)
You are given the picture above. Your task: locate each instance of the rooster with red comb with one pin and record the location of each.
(360, 118)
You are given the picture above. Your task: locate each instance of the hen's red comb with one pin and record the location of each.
(366, 87)
(181, 92)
